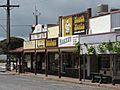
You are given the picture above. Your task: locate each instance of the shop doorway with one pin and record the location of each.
(53, 58)
(41, 62)
(69, 64)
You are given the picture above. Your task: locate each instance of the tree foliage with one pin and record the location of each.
(77, 47)
(15, 42)
(90, 49)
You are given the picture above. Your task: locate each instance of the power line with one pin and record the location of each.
(18, 25)
(3, 27)
(2, 19)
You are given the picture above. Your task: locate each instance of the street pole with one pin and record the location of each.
(59, 63)
(35, 59)
(79, 68)
(8, 36)
(36, 13)
(8, 6)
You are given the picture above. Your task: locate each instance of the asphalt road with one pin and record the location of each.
(13, 82)
(16, 82)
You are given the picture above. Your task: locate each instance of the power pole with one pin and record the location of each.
(36, 13)
(8, 6)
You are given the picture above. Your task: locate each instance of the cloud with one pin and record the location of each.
(50, 11)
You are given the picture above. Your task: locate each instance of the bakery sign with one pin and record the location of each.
(68, 41)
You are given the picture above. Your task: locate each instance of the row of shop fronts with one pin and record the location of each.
(63, 60)
(57, 57)
(52, 48)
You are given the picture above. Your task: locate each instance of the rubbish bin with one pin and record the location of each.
(20, 68)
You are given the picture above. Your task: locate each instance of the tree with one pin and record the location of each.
(15, 42)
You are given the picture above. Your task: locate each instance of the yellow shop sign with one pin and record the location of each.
(51, 42)
(41, 43)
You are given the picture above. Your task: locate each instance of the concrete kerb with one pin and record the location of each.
(65, 79)
(71, 80)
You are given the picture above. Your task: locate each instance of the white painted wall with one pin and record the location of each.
(38, 28)
(115, 19)
(100, 24)
(118, 38)
(3, 57)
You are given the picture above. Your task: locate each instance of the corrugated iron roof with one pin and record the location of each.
(20, 49)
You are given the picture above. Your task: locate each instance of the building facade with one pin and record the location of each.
(52, 47)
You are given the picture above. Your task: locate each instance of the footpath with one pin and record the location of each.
(65, 79)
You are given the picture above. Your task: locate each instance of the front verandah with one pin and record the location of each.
(106, 64)
(69, 64)
(34, 62)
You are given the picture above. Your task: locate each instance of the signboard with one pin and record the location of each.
(40, 43)
(38, 36)
(100, 24)
(75, 24)
(68, 41)
(39, 32)
(79, 23)
(40, 28)
(51, 42)
(98, 38)
(67, 25)
(29, 45)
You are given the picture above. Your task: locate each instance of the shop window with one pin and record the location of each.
(53, 60)
(70, 61)
(104, 62)
(118, 64)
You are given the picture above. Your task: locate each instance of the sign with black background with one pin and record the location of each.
(80, 23)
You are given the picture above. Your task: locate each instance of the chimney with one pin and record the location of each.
(89, 11)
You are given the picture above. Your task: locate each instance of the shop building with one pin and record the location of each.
(35, 50)
(104, 31)
(72, 27)
(53, 46)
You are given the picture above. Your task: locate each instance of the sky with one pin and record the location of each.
(22, 17)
